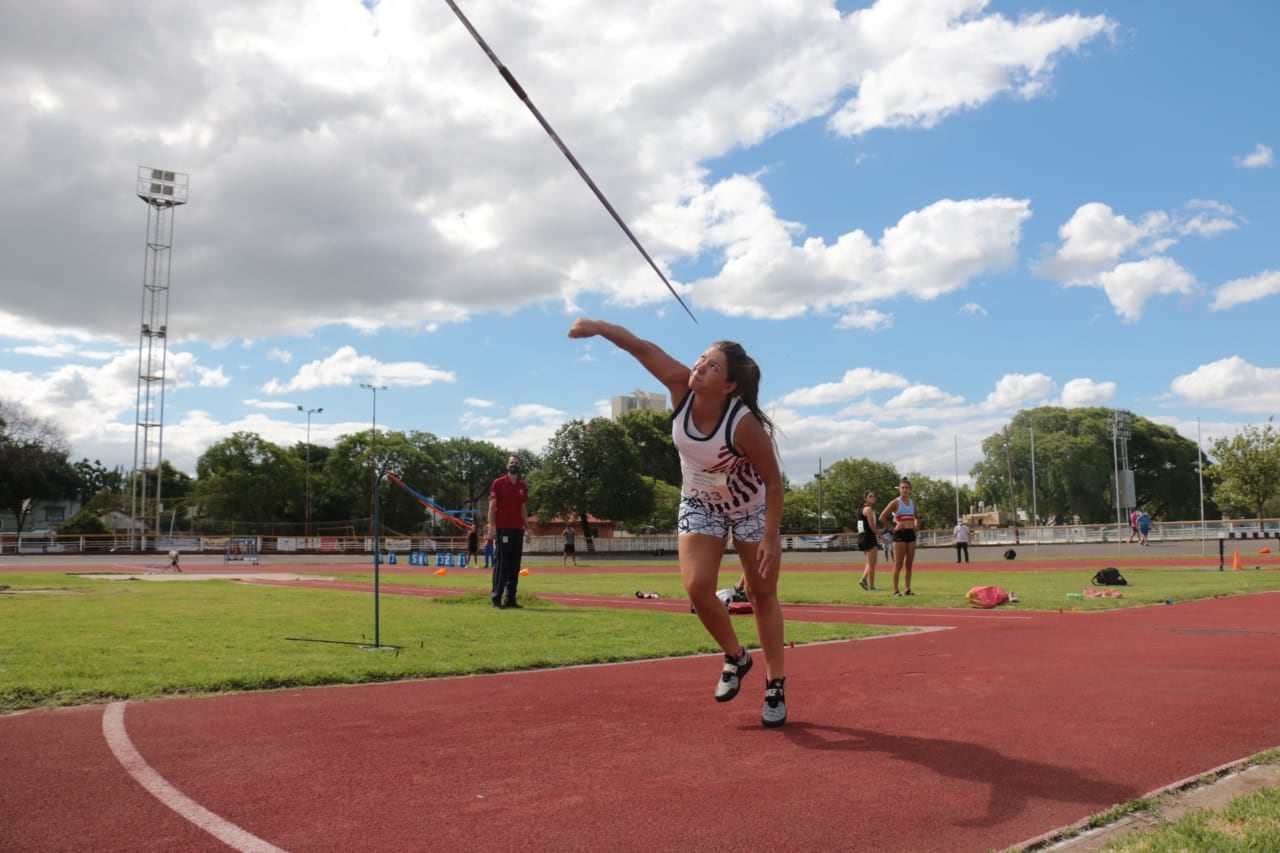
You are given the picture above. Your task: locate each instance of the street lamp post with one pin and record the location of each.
(1013, 508)
(373, 456)
(307, 526)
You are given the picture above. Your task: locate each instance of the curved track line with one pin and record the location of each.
(122, 747)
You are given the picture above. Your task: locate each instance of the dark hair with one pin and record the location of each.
(904, 482)
(866, 493)
(745, 373)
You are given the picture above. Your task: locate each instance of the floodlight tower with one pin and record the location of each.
(163, 192)
(1125, 492)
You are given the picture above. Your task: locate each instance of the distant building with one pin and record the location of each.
(639, 400)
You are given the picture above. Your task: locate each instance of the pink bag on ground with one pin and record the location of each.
(987, 596)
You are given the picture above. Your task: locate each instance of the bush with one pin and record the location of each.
(83, 523)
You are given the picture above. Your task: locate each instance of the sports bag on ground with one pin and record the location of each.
(1110, 576)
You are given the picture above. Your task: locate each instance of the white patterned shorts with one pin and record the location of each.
(698, 517)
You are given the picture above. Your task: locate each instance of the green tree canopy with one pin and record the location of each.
(247, 479)
(1246, 468)
(1075, 466)
(33, 462)
(590, 468)
(650, 432)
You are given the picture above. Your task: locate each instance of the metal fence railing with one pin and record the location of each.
(651, 545)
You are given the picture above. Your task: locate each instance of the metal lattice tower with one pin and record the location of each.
(1120, 432)
(163, 192)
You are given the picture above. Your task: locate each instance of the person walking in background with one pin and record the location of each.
(961, 534)
(902, 510)
(1133, 525)
(868, 541)
(508, 497)
(473, 547)
(570, 550)
(731, 482)
(1144, 527)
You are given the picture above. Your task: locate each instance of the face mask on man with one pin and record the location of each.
(513, 469)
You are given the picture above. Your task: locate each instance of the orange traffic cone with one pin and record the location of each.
(1265, 551)
(444, 571)
(1235, 561)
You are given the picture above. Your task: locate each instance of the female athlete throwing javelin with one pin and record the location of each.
(731, 481)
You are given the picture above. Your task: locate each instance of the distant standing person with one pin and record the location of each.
(731, 483)
(473, 547)
(868, 541)
(1144, 527)
(961, 534)
(173, 561)
(508, 497)
(489, 557)
(570, 550)
(1133, 525)
(902, 510)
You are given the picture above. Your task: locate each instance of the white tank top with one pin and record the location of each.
(714, 471)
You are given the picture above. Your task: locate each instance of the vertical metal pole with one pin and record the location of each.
(956, 439)
(1035, 512)
(819, 497)
(1200, 471)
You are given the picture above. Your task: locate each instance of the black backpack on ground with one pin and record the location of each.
(1109, 576)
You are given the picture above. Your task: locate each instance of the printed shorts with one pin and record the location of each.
(697, 517)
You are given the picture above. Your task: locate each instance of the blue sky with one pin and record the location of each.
(920, 216)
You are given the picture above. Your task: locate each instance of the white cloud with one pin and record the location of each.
(212, 377)
(973, 309)
(281, 355)
(347, 367)
(1016, 390)
(928, 60)
(1096, 240)
(869, 319)
(1077, 393)
(1130, 285)
(928, 253)
(1256, 159)
(1241, 290)
(1232, 384)
(918, 396)
(855, 383)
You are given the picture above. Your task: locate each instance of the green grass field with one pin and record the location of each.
(69, 639)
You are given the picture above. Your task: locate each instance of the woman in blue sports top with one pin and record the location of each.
(731, 482)
(902, 510)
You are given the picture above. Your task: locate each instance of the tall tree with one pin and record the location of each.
(470, 467)
(1075, 466)
(590, 468)
(650, 432)
(246, 479)
(94, 478)
(1246, 468)
(33, 462)
(846, 481)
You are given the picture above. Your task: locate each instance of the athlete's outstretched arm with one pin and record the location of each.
(668, 371)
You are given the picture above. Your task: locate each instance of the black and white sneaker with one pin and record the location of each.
(775, 704)
(735, 669)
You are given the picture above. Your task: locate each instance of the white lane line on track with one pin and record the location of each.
(122, 747)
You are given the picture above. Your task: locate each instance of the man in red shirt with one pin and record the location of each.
(507, 499)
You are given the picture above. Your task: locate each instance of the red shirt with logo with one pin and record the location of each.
(511, 499)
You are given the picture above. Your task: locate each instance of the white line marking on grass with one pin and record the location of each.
(122, 747)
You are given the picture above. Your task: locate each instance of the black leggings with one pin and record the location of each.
(508, 551)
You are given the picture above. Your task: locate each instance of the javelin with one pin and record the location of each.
(520, 93)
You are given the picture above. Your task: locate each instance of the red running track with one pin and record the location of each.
(988, 734)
